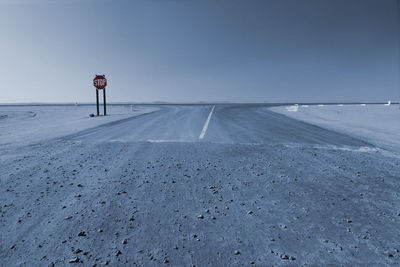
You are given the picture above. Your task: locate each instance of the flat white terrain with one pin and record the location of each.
(29, 124)
(379, 124)
(196, 185)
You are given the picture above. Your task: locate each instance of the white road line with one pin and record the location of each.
(203, 132)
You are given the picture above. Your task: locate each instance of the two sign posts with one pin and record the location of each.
(100, 82)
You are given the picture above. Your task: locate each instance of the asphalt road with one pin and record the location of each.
(226, 124)
(230, 185)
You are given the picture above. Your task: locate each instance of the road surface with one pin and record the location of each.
(201, 185)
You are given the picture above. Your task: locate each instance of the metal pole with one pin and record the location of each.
(97, 101)
(398, 44)
(104, 100)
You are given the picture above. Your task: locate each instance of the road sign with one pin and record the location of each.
(100, 81)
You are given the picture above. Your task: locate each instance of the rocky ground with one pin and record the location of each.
(199, 204)
(94, 199)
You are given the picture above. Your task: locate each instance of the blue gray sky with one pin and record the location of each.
(189, 51)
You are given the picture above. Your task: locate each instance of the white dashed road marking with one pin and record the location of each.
(203, 132)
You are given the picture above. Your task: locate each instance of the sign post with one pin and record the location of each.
(100, 82)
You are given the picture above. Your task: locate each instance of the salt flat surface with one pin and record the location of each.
(258, 189)
(378, 124)
(23, 125)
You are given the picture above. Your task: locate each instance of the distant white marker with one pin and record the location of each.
(292, 108)
(203, 132)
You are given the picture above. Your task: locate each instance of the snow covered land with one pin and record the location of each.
(199, 185)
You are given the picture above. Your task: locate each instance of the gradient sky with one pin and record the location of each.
(176, 50)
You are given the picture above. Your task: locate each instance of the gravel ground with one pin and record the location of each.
(81, 201)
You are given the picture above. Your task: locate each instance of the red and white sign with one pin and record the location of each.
(100, 81)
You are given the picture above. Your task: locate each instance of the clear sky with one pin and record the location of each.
(187, 50)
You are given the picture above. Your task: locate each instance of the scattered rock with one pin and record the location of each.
(82, 233)
(200, 217)
(236, 252)
(75, 260)
(284, 257)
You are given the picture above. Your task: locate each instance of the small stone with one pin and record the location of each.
(79, 185)
(118, 252)
(249, 212)
(252, 262)
(75, 260)
(200, 217)
(68, 217)
(124, 242)
(236, 252)
(284, 257)
(166, 261)
(82, 233)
